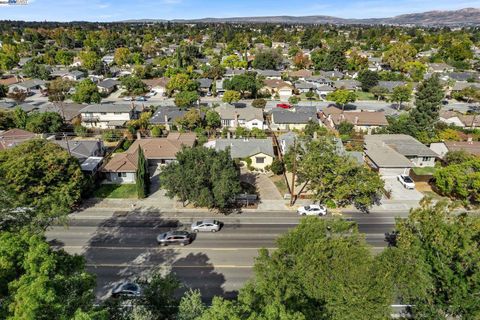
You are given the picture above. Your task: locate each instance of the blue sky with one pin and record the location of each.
(113, 10)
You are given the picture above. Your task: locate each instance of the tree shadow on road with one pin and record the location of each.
(197, 272)
(124, 248)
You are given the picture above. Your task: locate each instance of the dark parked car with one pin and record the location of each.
(127, 289)
(175, 237)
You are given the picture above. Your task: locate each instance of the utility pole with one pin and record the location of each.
(68, 144)
(294, 172)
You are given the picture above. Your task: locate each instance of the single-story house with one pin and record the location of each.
(14, 137)
(259, 151)
(68, 111)
(468, 121)
(300, 74)
(440, 68)
(332, 74)
(442, 148)
(459, 86)
(280, 87)
(107, 116)
(289, 119)
(82, 149)
(158, 85)
(304, 87)
(31, 85)
(205, 85)
(74, 75)
(352, 85)
(363, 121)
(270, 74)
(238, 115)
(107, 86)
(394, 154)
(167, 116)
(390, 85)
(122, 168)
(219, 87)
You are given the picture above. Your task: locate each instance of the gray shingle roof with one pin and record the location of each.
(299, 115)
(247, 113)
(107, 107)
(108, 83)
(172, 114)
(245, 148)
(205, 83)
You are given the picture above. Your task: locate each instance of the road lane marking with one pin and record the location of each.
(161, 248)
(130, 265)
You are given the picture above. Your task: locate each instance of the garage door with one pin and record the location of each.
(393, 172)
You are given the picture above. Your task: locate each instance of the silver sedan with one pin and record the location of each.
(208, 225)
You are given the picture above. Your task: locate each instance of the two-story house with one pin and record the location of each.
(107, 116)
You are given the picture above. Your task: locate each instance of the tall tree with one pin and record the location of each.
(368, 79)
(122, 56)
(89, 59)
(342, 97)
(267, 60)
(401, 94)
(428, 101)
(333, 178)
(399, 55)
(212, 185)
(435, 263)
(142, 177)
(231, 96)
(86, 91)
(45, 177)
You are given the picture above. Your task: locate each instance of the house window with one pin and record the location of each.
(122, 174)
(103, 113)
(254, 124)
(425, 159)
(260, 160)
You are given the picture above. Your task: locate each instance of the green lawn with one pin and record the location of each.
(425, 171)
(365, 96)
(116, 191)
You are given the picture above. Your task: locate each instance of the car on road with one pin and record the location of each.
(127, 99)
(284, 106)
(127, 289)
(182, 238)
(151, 94)
(208, 225)
(406, 181)
(141, 98)
(312, 210)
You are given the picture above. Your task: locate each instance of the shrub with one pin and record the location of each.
(277, 167)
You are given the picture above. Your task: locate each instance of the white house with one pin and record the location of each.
(107, 116)
(241, 116)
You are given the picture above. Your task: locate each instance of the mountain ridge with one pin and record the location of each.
(461, 17)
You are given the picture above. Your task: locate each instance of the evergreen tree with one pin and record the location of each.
(142, 179)
(428, 102)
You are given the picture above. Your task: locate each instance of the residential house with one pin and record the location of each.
(375, 64)
(219, 88)
(122, 167)
(158, 85)
(283, 89)
(289, 119)
(440, 68)
(394, 154)
(259, 151)
(29, 86)
(68, 111)
(107, 116)
(351, 85)
(14, 137)
(463, 76)
(363, 121)
(270, 74)
(300, 74)
(74, 75)
(107, 86)
(229, 73)
(304, 87)
(459, 86)
(167, 116)
(334, 74)
(82, 149)
(8, 80)
(233, 116)
(466, 121)
(442, 148)
(205, 86)
(108, 59)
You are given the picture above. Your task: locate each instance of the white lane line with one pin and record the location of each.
(129, 265)
(161, 248)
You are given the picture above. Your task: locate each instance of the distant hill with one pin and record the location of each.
(463, 17)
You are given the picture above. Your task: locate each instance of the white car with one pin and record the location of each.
(406, 181)
(151, 94)
(312, 210)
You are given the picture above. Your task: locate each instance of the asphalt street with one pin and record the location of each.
(124, 247)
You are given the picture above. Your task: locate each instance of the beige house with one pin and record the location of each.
(363, 121)
(283, 89)
(290, 119)
(259, 151)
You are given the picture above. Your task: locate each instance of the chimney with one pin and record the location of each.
(356, 120)
(167, 126)
(139, 136)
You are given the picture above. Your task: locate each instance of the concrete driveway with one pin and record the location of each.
(399, 192)
(265, 187)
